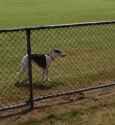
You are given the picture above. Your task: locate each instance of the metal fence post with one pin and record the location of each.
(28, 38)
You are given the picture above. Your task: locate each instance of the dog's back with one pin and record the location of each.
(39, 59)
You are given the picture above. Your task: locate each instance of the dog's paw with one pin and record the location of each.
(17, 84)
(49, 80)
(21, 83)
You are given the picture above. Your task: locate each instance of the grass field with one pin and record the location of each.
(35, 12)
(89, 59)
(90, 50)
(85, 112)
(81, 114)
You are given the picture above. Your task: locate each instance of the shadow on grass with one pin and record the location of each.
(71, 82)
(41, 85)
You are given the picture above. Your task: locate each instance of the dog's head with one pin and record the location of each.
(55, 53)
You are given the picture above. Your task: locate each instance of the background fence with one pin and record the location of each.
(90, 59)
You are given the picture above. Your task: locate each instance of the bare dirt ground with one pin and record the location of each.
(101, 100)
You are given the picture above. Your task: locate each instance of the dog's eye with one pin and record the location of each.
(57, 51)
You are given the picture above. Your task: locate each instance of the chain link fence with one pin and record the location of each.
(90, 56)
(12, 48)
(89, 60)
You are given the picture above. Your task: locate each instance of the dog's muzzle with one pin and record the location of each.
(63, 55)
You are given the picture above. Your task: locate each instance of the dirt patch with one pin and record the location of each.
(89, 101)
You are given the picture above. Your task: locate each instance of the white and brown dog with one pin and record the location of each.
(42, 60)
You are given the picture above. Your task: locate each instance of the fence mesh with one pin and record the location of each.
(12, 49)
(90, 56)
(90, 59)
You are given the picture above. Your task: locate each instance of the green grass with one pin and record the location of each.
(35, 12)
(90, 52)
(80, 118)
(90, 58)
(62, 118)
(88, 112)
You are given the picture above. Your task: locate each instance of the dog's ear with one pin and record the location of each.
(57, 51)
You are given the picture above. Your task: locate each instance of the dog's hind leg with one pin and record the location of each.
(18, 75)
(23, 69)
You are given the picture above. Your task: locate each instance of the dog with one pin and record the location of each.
(41, 60)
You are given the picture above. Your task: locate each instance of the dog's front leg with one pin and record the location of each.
(24, 70)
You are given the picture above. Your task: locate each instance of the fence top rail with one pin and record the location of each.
(38, 27)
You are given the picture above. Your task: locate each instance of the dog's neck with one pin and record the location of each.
(52, 58)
